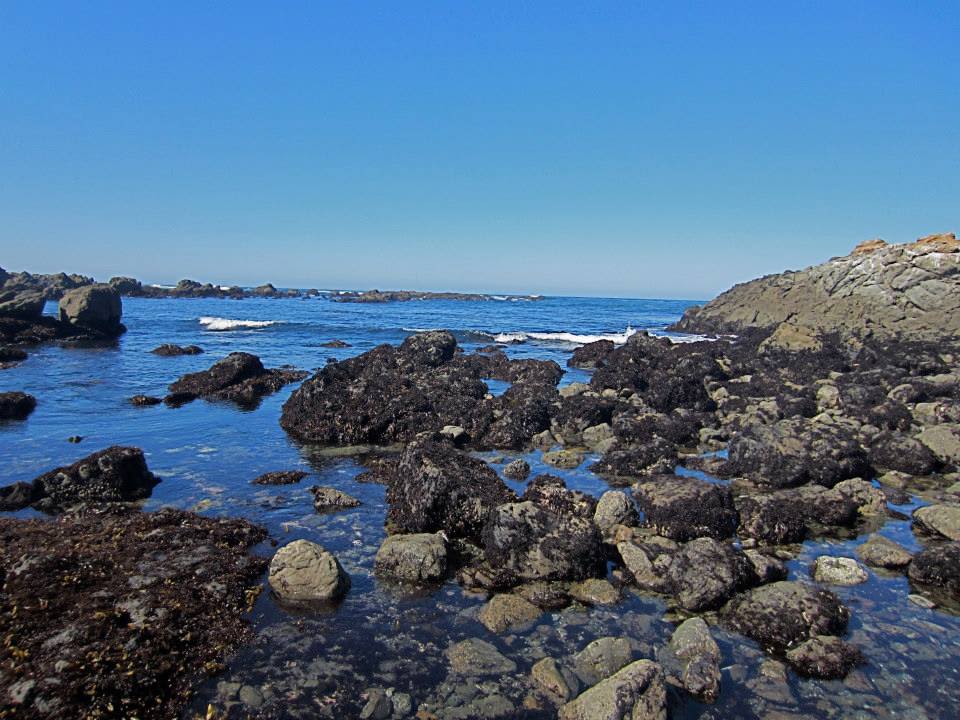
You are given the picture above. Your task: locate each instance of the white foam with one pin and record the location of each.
(220, 324)
(568, 338)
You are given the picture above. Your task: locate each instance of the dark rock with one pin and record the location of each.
(16, 405)
(551, 493)
(521, 412)
(145, 400)
(239, 377)
(17, 496)
(9, 354)
(783, 614)
(938, 565)
(683, 508)
(96, 307)
(168, 349)
(896, 451)
(824, 657)
(517, 470)
(166, 593)
(577, 413)
(797, 451)
(126, 285)
(326, 499)
(591, 355)
(24, 305)
(624, 466)
(434, 487)
(335, 344)
(704, 574)
(280, 477)
(773, 518)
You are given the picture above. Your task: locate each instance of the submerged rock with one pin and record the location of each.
(145, 400)
(825, 657)
(419, 557)
(699, 658)
(280, 477)
(939, 566)
(475, 657)
(16, 405)
(506, 612)
(327, 499)
(303, 572)
(602, 658)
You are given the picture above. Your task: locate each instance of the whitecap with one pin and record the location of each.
(220, 324)
(566, 338)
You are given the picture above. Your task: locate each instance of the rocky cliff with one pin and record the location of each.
(910, 291)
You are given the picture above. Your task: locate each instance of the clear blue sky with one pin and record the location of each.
(634, 149)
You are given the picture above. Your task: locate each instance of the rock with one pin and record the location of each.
(767, 569)
(658, 456)
(434, 487)
(825, 657)
(943, 441)
(797, 451)
(169, 350)
(790, 337)
(145, 400)
(475, 657)
(783, 614)
(117, 474)
(602, 658)
(594, 591)
(591, 355)
(327, 499)
(525, 541)
(902, 453)
(547, 676)
(507, 612)
(240, 377)
(379, 705)
(21, 305)
(303, 572)
(683, 508)
(417, 558)
(16, 405)
(335, 344)
(773, 518)
(551, 493)
(938, 565)
(942, 520)
(10, 355)
(567, 459)
(126, 285)
(545, 595)
(838, 571)
(614, 508)
(880, 552)
(869, 500)
(906, 290)
(517, 470)
(97, 307)
(648, 564)
(280, 477)
(637, 692)
(706, 573)
(699, 657)
(599, 436)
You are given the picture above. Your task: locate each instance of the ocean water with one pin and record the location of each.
(381, 635)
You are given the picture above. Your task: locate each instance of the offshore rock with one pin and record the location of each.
(240, 377)
(16, 405)
(97, 307)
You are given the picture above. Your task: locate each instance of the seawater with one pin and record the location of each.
(320, 664)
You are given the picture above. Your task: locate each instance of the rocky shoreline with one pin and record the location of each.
(720, 458)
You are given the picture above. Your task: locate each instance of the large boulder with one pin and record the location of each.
(117, 474)
(706, 573)
(938, 565)
(938, 520)
(96, 307)
(910, 290)
(304, 572)
(434, 487)
(683, 508)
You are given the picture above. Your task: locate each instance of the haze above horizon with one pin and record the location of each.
(664, 150)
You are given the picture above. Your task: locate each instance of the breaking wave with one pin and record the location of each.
(221, 324)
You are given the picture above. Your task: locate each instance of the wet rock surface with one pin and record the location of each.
(302, 572)
(418, 557)
(239, 377)
(157, 599)
(172, 350)
(280, 477)
(16, 405)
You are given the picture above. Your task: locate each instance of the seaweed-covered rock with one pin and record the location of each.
(783, 614)
(157, 598)
(551, 493)
(773, 518)
(518, 414)
(938, 565)
(117, 474)
(525, 541)
(705, 573)
(518, 469)
(418, 557)
(240, 377)
(328, 499)
(825, 657)
(622, 466)
(637, 691)
(591, 355)
(683, 508)
(796, 451)
(280, 477)
(434, 487)
(16, 405)
(170, 350)
(902, 453)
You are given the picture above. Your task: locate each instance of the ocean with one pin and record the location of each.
(206, 454)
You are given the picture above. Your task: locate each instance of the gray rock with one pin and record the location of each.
(943, 520)
(26, 305)
(475, 657)
(508, 612)
(614, 508)
(838, 571)
(943, 441)
(594, 591)
(567, 459)
(97, 307)
(547, 676)
(881, 552)
(824, 657)
(699, 656)
(706, 573)
(602, 658)
(419, 557)
(636, 692)
(326, 499)
(378, 706)
(517, 470)
(303, 571)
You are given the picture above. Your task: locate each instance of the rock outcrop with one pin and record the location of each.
(910, 290)
(96, 307)
(240, 377)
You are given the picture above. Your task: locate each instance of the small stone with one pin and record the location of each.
(602, 658)
(517, 470)
(378, 705)
(825, 657)
(921, 601)
(838, 571)
(547, 676)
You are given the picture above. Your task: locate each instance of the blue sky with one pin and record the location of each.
(628, 149)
